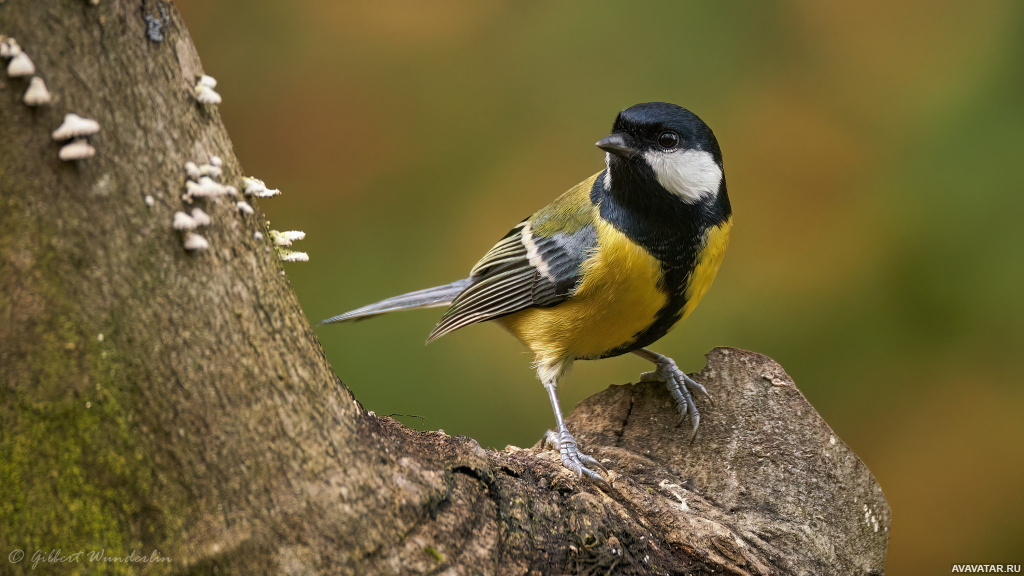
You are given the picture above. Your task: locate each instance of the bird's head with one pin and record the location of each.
(667, 144)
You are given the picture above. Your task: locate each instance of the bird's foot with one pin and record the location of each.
(679, 385)
(575, 460)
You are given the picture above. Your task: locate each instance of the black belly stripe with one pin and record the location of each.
(672, 231)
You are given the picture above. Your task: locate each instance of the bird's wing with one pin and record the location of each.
(538, 263)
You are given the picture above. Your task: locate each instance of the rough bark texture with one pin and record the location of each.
(155, 399)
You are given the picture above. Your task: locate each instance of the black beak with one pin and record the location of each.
(617, 144)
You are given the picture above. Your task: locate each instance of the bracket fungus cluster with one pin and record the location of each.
(201, 181)
(258, 189)
(188, 222)
(204, 91)
(286, 238)
(76, 129)
(19, 65)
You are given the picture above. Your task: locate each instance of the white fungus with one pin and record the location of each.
(194, 241)
(37, 94)
(256, 187)
(205, 188)
(216, 161)
(20, 65)
(243, 207)
(257, 235)
(192, 170)
(74, 126)
(76, 150)
(289, 256)
(150, 201)
(207, 81)
(183, 221)
(10, 48)
(287, 237)
(253, 186)
(210, 170)
(201, 218)
(205, 95)
(232, 191)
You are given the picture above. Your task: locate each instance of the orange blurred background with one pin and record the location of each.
(877, 252)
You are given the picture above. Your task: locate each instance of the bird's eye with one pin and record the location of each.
(668, 140)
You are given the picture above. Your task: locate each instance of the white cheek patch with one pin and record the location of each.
(692, 175)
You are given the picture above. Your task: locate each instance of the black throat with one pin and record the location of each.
(671, 230)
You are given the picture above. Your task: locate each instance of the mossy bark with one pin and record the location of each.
(153, 399)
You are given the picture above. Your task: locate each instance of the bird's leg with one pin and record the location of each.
(678, 384)
(563, 441)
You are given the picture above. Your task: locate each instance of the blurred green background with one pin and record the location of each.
(873, 155)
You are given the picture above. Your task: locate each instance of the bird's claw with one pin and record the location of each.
(575, 460)
(680, 386)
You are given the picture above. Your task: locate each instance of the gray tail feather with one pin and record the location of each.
(429, 298)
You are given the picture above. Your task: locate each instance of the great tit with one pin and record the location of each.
(608, 268)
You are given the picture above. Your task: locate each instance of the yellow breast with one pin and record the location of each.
(617, 298)
(708, 262)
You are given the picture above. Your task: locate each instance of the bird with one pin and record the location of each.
(606, 269)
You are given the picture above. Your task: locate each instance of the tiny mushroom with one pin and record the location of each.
(253, 186)
(287, 237)
(289, 256)
(76, 150)
(20, 65)
(194, 241)
(201, 218)
(207, 81)
(206, 95)
(210, 170)
(205, 188)
(256, 187)
(74, 126)
(13, 49)
(37, 94)
(183, 221)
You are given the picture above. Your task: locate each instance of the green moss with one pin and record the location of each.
(72, 468)
(437, 556)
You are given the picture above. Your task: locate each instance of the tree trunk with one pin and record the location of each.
(177, 404)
